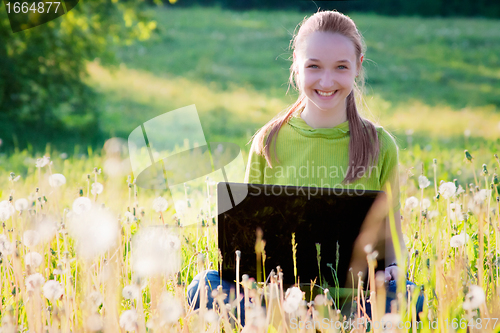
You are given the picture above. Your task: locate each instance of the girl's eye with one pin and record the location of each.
(312, 65)
(342, 66)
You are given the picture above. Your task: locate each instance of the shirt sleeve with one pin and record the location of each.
(389, 170)
(254, 173)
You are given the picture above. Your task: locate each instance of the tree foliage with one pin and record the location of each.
(42, 69)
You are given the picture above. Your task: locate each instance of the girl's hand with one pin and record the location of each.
(391, 273)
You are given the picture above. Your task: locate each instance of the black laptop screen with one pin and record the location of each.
(329, 217)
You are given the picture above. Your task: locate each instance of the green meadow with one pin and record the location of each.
(432, 82)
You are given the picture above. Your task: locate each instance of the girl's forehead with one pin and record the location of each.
(327, 46)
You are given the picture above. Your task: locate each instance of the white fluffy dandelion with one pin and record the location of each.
(293, 298)
(423, 182)
(131, 292)
(180, 207)
(95, 299)
(21, 204)
(97, 188)
(5, 245)
(33, 259)
(426, 203)
(155, 251)
(447, 190)
(411, 203)
(481, 196)
(474, 298)
(57, 180)
(96, 231)
(128, 320)
(170, 309)
(31, 238)
(41, 162)
(160, 204)
(34, 281)
(459, 240)
(81, 205)
(6, 210)
(46, 228)
(52, 290)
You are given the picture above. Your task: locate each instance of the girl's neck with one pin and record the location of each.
(322, 119)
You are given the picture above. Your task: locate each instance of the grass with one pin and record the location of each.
(429, 81)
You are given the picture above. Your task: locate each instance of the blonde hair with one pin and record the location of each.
(364, 143)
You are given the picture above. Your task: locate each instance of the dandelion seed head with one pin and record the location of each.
(57, 180)
(6, 210)
(423, 182)
(131, 292)
(31, 238)
(96, 231)
(5, 246)
(426, 203)
(180, 207)
(474, 298)
(46, 228)
(41, 162)
(34, 281)
(53, 290)
(459, 240)
(211, 316)
(95, 298)
(481, 196)
(411, 203)
(21, 204)
(33, 259)
(447, 190)
(160, 204)
(97, 188)
(81, 205)
(170, 309)
(293, 298)
(256, 317)
(155, 251)
(128, 320)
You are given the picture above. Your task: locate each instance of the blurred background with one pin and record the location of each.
(104, 68)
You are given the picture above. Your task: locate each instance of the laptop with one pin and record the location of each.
(330, 217)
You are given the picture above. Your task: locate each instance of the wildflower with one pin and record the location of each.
(57, 180)
(155, 251)
(95, 298)
(95, 232)
(131, 292)
(456, 213)
(432, 214)
(129, 217)
(170, 309)
(255, 317)
(180, 206)
(5, 245)
(46, 228)
(474, 298)
(33, 259)
(459, 240)
(426, 203)
(128, 320)
(21, 204)
(293, 298)
(6, 210)
(81, 205)
(211, 316)
(160, 204)
(460, 190)
(481, 196)
(31, 238)
(97, 188)
(447, 190)
(34, 281)
(411, 203)
(423, 182)
(53, 290)
(41, 162)
(94, 322)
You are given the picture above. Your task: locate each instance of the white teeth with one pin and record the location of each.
(325, 94)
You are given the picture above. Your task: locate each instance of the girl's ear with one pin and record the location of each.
(361, 59)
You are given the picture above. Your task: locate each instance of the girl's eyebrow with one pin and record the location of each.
(343, 60)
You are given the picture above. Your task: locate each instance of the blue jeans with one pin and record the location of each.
(212, 280)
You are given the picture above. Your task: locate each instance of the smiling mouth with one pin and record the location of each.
(321, 93)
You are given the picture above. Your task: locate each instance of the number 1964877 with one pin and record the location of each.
(24, 7)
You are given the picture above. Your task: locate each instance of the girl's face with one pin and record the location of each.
(327, 65)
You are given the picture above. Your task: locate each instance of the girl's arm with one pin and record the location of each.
(254, 173)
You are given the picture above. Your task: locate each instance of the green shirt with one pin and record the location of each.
(319, 158)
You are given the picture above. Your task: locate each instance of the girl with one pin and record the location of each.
(321, 140)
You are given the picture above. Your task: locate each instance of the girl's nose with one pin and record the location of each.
(327, 81)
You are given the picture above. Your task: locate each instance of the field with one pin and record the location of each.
(80, 257)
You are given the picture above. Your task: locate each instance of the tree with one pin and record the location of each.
(42, 93)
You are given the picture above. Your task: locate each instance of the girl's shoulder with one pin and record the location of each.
(387, 141)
